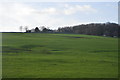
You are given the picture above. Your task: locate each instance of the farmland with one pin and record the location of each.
(43, 55)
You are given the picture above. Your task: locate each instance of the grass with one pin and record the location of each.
(40, 55)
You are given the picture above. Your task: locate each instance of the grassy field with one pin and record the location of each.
(40, 55)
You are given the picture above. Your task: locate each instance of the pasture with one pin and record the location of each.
(43, 55)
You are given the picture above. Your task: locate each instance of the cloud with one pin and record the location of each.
(68, 10)
(13, 15)
(49, 10)
(78, 8)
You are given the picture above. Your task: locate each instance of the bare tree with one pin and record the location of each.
(26, 28)
(42, 27)
(21, 27)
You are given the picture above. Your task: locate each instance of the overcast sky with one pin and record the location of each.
(55, 14)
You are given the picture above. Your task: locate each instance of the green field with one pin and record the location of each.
(43, 55)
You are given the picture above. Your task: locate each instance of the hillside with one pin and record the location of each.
(42, 55)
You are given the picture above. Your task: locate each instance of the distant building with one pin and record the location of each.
(104, 35)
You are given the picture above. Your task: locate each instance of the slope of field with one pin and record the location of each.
(39, 55)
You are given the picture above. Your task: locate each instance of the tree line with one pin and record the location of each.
(35, 30)
(99, 29)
